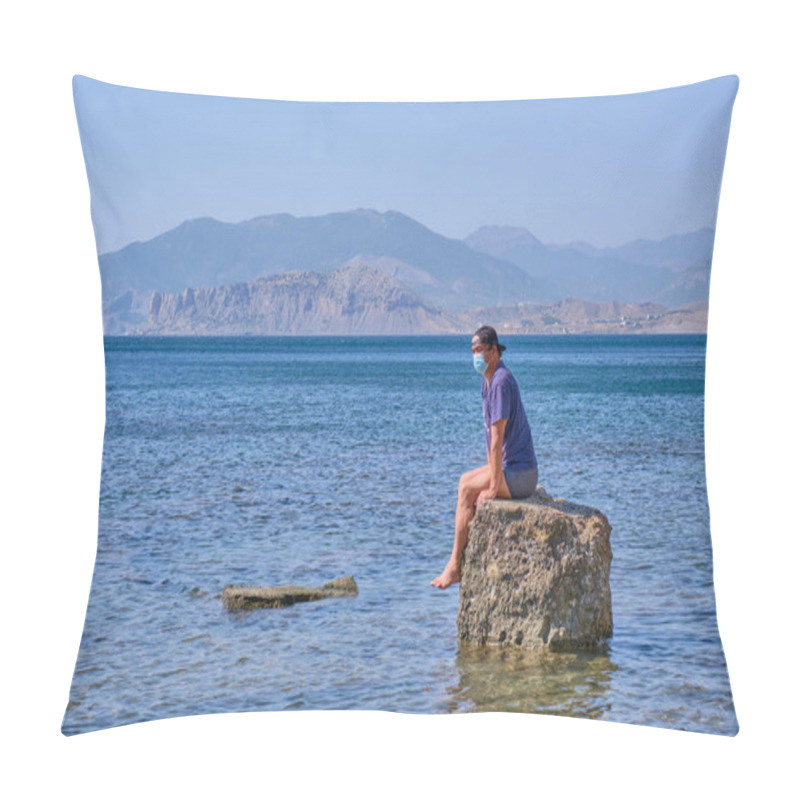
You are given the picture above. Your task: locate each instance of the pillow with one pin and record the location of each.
(289, 296)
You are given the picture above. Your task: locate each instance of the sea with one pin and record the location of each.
(295, 460)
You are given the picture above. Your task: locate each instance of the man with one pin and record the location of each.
(511, 469)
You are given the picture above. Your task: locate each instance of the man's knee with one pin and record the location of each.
(465, 483)
(469, 487)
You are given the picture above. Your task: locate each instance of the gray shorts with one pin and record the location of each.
(521, 483)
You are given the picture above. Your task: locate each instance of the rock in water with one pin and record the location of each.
(246, 597)
(535, 572)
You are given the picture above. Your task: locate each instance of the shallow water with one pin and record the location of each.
(295, 460)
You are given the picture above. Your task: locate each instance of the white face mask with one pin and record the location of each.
(479, 364)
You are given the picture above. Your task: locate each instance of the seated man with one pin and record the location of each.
(511, 470)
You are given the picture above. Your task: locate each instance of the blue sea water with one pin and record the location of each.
(288, 460)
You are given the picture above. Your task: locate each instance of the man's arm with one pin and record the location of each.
(496, 456)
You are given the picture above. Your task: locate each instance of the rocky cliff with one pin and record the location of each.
(353, 300)
(359, 300)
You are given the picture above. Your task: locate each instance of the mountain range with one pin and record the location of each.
(282, 259)
(673, 271)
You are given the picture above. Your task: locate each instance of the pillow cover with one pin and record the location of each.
(289, 294)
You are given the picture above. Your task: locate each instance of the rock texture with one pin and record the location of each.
(246, 597)
(535, 573)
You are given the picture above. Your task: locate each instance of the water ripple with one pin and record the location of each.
(218, 468)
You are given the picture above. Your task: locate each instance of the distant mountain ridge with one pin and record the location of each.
(207, 253)
(361, 300)
(493, 266)
(673, 271)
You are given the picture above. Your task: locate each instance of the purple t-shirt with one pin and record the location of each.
(501, 400)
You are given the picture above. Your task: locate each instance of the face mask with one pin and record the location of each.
(479, 364)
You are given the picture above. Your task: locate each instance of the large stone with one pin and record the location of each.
(535, 573)
(246, 597)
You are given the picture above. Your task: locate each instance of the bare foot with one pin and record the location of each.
(451, 575)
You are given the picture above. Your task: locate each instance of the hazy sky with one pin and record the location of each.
(606, 170)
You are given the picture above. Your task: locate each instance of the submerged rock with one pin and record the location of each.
(535, 573)
(246, 597)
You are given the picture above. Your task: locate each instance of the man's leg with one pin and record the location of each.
(472, 483)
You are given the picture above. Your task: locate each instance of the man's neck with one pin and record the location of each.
(490, 372)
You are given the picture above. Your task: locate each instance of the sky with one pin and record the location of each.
(604, 170)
